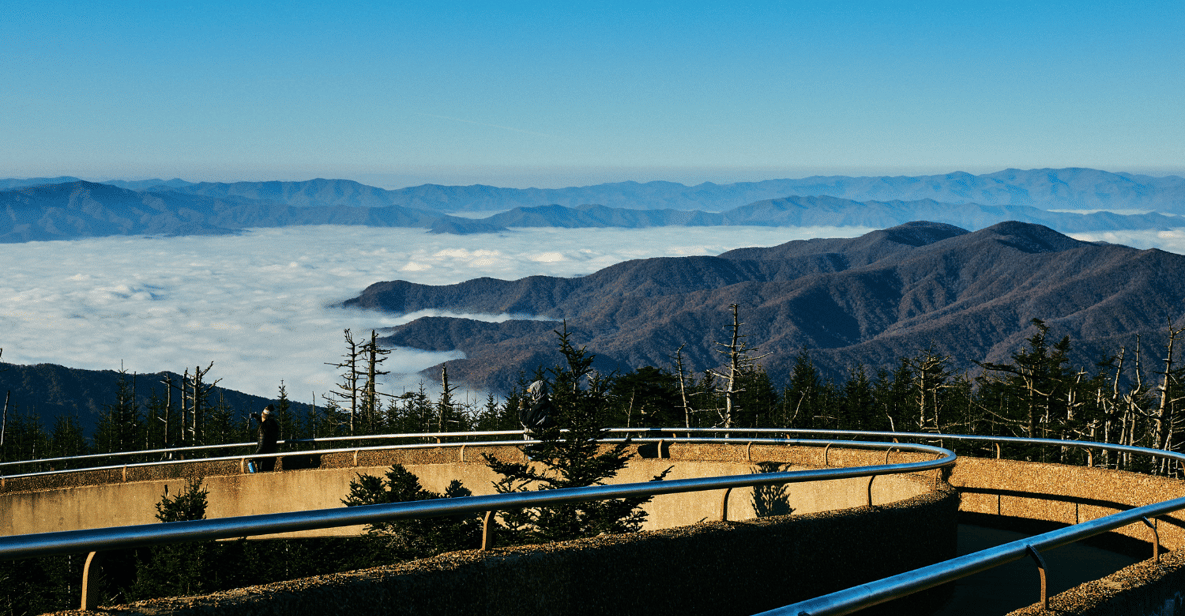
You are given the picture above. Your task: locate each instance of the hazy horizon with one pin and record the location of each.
(546, 179)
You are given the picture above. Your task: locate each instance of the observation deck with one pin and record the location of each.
(842, 532)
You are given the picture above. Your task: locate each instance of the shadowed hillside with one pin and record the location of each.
(48, 391)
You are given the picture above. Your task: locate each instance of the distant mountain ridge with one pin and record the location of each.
(85, 209)
(868, 300)
(68, 208)
(1072, 188)
(805, 212)
(76, 209)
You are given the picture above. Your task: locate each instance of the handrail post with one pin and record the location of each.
(487, 531)
(1155, 538)
(1041, 570)
(870, 478)
(90, 582)
(724, 505)
(826, 462)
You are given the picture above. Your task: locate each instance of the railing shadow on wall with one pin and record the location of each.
(1077, 501)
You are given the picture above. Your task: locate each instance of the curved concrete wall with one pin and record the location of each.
(124, 497)
(1066, 494)
(1049, 492)
(720, 568)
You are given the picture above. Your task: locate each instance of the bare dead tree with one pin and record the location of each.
(739, 361)
(1163, 419)
(4, 419)
(931, 378)
(682, 387)
(374, 357)
(348, 387)
(168, 383)
(195, 390)
(445, 406)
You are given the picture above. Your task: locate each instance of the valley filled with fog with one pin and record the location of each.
(260, 304)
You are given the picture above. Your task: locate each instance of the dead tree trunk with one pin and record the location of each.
(682, 387)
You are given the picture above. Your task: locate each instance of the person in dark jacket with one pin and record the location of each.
(535, 410)
(269, 434)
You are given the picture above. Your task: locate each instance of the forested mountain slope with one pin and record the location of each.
(47, 391)
(867, 300)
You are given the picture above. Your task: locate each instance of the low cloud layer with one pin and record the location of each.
(258, 304)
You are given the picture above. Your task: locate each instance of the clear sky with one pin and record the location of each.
(553, 94)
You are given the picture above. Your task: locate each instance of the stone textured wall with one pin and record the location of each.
(307, 481)
(1147, 588)
(708, 568)
(1067, 494)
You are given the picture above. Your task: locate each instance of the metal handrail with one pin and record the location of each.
(193, 448)
(903, 584)
(841, 602)
(102, 539)
(256, 456)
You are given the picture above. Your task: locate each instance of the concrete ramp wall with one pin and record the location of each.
(720, 568)
(312, 481)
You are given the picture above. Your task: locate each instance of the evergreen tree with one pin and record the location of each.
(1032, 386)
(415, 538)
(285, 415)
(494, 416)
(801, 399)
(572, 458)
(891, 394)
(858, 408)
(178, 569)
(646, 398)
(25, 439)
(67, 438)
(121, 427)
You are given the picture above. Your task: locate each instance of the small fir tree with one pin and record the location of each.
(571, 458)
(416, 538)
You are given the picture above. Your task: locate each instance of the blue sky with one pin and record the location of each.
(546, 94)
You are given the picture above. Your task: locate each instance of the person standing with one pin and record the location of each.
(269, 435)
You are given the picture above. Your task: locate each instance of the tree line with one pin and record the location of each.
(1131, 397)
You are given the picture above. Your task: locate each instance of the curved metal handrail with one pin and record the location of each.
(903, 584)
(842, 602)
(256, 456)
(196, 448)
(102, 539)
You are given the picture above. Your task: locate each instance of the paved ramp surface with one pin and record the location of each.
(1016, 585)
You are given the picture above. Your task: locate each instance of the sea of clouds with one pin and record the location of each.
(260, 305)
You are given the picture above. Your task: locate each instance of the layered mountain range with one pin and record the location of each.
(1073, 188)
(868, 300)
(68, 208)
